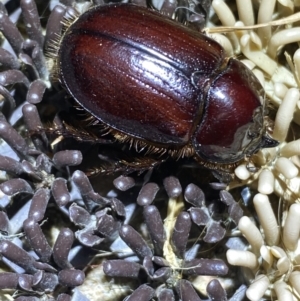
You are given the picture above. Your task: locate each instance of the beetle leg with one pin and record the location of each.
(80, 134)
(125, 166)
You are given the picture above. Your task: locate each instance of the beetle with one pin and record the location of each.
(160, 85)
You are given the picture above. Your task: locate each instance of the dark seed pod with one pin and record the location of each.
(148, 265)
(82, 182)
(9, 101)
(135, 241)
(142, 293)
(54, 25)
(240, 293)
(235, 212)
(194, 195)
(71, 278)
(218, 186)
(37, 277)
(38, 58)
(31, 171)
(200, 216)
(11, 33)
(121, 268)
(173, 187)
(43, 163)
(70, 11)
(34, 124)
(67, 158)
(118, 207)
(26, 60)
(47, 283)
(123, 183)
(63, 297)
(4, 222)
(166, 295)
(62, 248)
(160, 261)
(226, 197)
(147, 194)
(181, 233)
(36, 91)
(90, 197)
(215, 291)
(162, 274)
(214, 232)
(15, 186)
(203, 266)
(155, 227)
(88, 238)
(60, 192)
(7, 60)
(13, 138)
(186, 292)
(11, 77)
(39, 204)
(18, 256)
(25, 282)
(199, 14)
(79, 216)
(168, 8)
(10, 165)
(32, 21)
(37, 239)
(106, 225)
(31, 117)
(8, 280)
(44, 267)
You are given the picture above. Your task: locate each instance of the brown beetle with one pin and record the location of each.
(162, 86)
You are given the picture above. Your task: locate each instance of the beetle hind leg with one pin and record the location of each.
(77, 133)
(139, 165)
